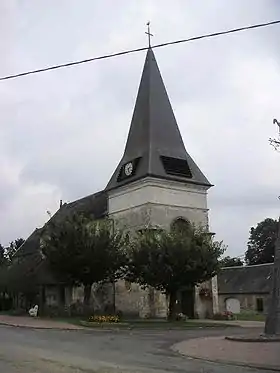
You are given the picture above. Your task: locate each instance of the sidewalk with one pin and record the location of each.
(260, 355)
(241, 323)
(36, 323)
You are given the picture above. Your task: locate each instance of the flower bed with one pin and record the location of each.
(104, 319)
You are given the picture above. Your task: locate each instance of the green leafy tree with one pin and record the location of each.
(171, 260)
(3, 268)
(83, 251)
(2, 256)
(13, 247)
(231, 262)
(261, 242)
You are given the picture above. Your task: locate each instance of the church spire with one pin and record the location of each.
(154, 146)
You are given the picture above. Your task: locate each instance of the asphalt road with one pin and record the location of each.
(52, 351)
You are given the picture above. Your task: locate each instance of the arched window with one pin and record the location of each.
(180, 224)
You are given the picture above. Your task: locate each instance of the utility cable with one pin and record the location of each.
(204, 36)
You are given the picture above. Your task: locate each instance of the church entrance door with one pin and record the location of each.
(187, 302)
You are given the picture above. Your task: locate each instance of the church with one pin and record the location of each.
(156, 183)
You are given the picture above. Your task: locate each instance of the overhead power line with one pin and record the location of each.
(204, 36)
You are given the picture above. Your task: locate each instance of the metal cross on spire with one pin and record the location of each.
(273, 141)
(149, 34)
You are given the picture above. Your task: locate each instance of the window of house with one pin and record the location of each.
(259, 304)
(180, 224)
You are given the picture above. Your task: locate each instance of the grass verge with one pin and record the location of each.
(146, 324)
(248, 316)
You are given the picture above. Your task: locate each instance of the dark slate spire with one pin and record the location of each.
(154, 146)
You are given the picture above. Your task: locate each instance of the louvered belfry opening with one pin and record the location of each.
(175, 166)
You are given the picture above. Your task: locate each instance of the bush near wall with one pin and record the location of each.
(6, 304)
(227, 315)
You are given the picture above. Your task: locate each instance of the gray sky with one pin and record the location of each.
(63, 132)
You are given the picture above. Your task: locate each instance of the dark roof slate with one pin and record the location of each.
(253, 279)
(28, 260)
(154, 133)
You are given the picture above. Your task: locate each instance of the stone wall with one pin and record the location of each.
(205, 306)
(248, 302)
(102, 296)
(133, 301)
(158, 203)
(52, 296)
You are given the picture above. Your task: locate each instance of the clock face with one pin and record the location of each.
(128, 168)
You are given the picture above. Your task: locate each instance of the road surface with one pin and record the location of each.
(87, 351)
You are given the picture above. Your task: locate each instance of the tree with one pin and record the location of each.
(261, 242)
(13, 247)
(83, 251)
(2, 256)
(170, 260)
(230, 262)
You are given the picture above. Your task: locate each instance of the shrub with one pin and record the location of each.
(180, 317)
(51, 311)
(6, 304)
(78, 309)
(18, 312)
(226, 315)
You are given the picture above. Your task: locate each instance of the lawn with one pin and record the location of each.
(140, 323)
(154, 324)
(250, 316)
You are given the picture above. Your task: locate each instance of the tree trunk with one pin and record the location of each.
(172, 305)
(114, 297)
(87, 294)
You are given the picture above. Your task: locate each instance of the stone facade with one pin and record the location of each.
(102, 296)
(247, 302)
(133, 301)
(207, 305)
(148, 202)
(245, 288)
(158, 203)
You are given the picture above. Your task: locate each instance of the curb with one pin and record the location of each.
(82, 328)
(253, 339)
(40, 327)
(233, 363)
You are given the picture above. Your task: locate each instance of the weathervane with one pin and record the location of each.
(149, 34)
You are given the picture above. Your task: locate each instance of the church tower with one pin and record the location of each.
(156, 181)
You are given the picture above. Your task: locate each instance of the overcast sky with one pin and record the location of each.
(63, 132)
